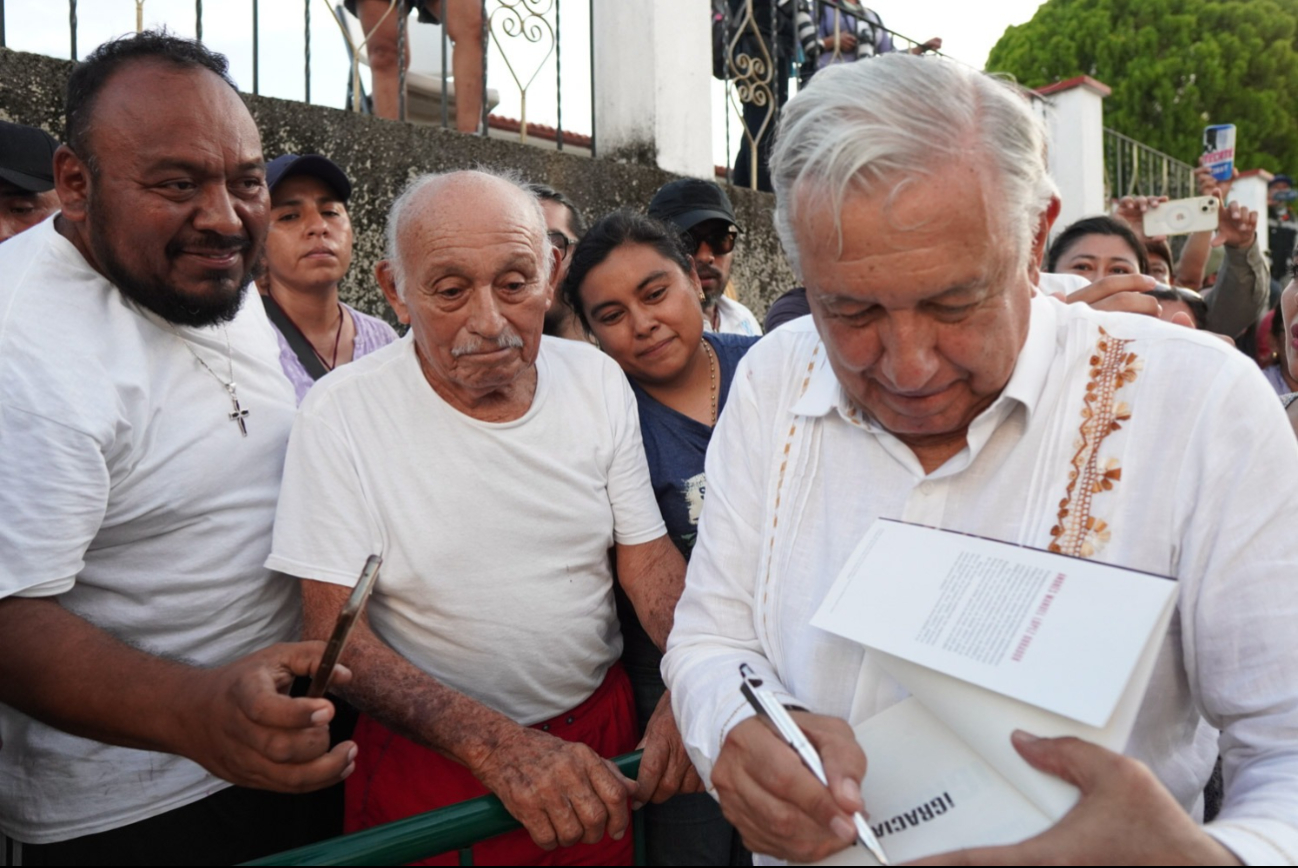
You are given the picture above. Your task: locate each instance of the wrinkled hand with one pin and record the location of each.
(561, 791)
(665, 768)
(238, 722)
(1236, 226)
(1120, 292)
(1131, 210)
(776, 803)
(846, 42)
(1125, 816)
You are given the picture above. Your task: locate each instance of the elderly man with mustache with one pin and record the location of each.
(488, 660)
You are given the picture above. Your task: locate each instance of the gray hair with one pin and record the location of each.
(397, 217)
(877, 124)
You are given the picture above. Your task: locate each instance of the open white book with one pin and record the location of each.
(988, 637)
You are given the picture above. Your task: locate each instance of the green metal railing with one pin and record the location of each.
(455, 827)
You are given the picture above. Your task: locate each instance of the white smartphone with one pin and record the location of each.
(1182, 216)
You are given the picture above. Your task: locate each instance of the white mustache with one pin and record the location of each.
(507, 340)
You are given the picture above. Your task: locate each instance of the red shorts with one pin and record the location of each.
(396, 778)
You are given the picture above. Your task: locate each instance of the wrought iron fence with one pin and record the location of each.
(768, 44)
(517, 29)
(1135, 169)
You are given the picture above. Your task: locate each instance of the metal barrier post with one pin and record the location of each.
(306, 13)
(558, 79)
(591, 43)
(486, 25)
(198, 20)
(72, 25)
(445, 50)
(401, 64)
(255, 50)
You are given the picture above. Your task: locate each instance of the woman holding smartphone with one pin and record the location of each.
(635, 291)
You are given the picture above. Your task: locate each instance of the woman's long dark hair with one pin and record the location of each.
(609, 233)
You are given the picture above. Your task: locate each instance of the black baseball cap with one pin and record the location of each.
(27, 157)
(309, 164)
(1280, 179)
(689, 201)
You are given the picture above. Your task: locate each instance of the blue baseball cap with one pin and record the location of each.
(314, 165)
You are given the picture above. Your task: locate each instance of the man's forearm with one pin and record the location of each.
(653, 576)
(1241, 292)
(401, 696)
(68, 673)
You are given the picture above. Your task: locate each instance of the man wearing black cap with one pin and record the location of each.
(26, 178)
(702, 213)
(308, 250)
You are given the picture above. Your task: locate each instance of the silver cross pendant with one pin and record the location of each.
(238, 414)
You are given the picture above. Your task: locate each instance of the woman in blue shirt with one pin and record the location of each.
(634, 288)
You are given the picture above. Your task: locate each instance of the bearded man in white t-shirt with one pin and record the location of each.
(488, 660)
(143, 421)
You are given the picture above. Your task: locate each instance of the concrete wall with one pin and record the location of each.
(381, 156)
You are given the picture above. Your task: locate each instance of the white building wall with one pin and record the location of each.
(653, 62)
(1075, 126)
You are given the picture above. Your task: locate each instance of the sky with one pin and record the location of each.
(968, 29)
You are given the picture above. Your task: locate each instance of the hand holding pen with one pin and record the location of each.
(780, 809)
(766, 705)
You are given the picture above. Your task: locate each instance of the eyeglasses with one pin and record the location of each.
(719, 241)
(561, 242)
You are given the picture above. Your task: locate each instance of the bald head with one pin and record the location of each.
(469, 269)
(452, 205)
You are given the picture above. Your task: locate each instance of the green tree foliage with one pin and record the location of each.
(1174, 66)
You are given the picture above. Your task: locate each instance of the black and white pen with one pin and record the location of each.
(765, 703)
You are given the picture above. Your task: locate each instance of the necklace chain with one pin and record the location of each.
(237, 414)
(338, 333)
(712, 378)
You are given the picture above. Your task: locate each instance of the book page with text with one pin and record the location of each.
(1019, 621)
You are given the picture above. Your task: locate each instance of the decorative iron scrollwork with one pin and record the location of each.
(527, 20)
(752, 76)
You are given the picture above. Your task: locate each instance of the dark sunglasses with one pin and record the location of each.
(719, 241)
(561, 242)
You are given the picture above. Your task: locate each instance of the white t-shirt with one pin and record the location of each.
(130, 494)
(495, 536)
